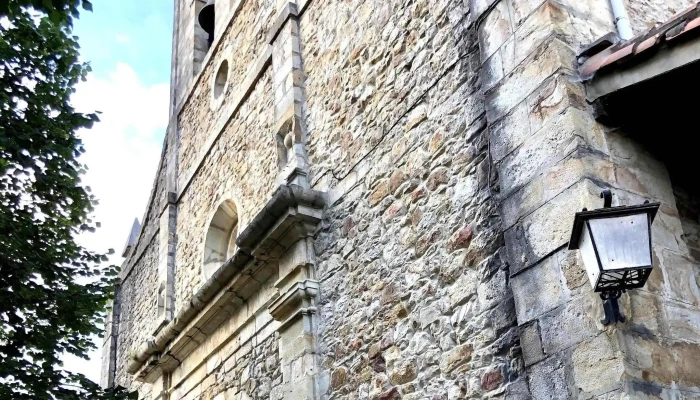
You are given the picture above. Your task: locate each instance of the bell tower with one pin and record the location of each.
(190, 45)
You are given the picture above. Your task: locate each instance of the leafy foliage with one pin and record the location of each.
(59, 11)
(53, 292)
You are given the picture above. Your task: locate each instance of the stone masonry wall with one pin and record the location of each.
(240, 360)
(150, 221)
(688, 204)
(137, 319)
(242, 166)
(553, 160)
(415, 295)
(455, 145)
(644, 14)
(244, 39)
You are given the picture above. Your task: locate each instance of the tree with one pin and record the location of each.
(53, 292)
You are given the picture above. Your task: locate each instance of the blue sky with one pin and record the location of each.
(128, 44)
(137, 33)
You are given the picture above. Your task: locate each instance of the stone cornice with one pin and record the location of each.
(287, 217)
(284, 306)
(262, 63)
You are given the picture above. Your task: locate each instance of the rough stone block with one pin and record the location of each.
(547, 21)
(538, 290)
(522, 9)
(553, 97)
(579, 165)
(574, 129)
(659, 362)
(549, 227)
(572, 323)
(492, 71)
(457, 356)
(495, 29)
(478, 7)
(531, 344)
(683, 321)
(509, 132)
(515, 87)
(656, 187)
(464, 288)
(597, 365)
(549, 379)
(682, 277)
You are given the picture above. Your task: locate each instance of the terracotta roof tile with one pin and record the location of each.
(620, 52)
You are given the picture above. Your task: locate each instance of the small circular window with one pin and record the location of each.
(221, 79)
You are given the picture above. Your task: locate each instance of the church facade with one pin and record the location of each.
(365, 199)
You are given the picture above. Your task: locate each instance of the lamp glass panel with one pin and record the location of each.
(622, 242)
(585, 247)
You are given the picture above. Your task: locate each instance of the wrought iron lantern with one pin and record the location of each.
(615, 245)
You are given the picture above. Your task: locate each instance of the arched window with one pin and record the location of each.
(220, 242)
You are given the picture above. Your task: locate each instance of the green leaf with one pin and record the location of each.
(41, 321)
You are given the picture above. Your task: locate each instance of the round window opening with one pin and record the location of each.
(221, 79)
(220, 242)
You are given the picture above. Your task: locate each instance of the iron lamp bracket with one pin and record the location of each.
(611, 308)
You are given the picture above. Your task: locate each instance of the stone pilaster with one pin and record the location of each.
(296, 306)
(167, 231)
(189, 49)
(553, 159)
(166, 262)
(288, 86)
(109, 346)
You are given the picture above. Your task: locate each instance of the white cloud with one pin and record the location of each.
(122, 153)
(122, 38)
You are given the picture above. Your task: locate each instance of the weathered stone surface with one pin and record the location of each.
(495, 30)
(461, 354)
(538, 290)
(531, 343)
(594, 362)
(644, 14)
(572, 323)
(558, 138)
(527, 77)
(138, 310)
(196, 120)
(226, 175)
(491, 380)
(548, 379)
(404, 373)
(549, 227)
(455, 147)
(338, 378)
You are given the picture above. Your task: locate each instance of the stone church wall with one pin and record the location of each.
(137, 319)
(242, 42)
(554, 159)
(644, 14)
(241, 166)
(454, 144)
(415, 301)
(240, 360)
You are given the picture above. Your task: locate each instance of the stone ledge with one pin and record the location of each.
(289, 207)
(301, 291)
